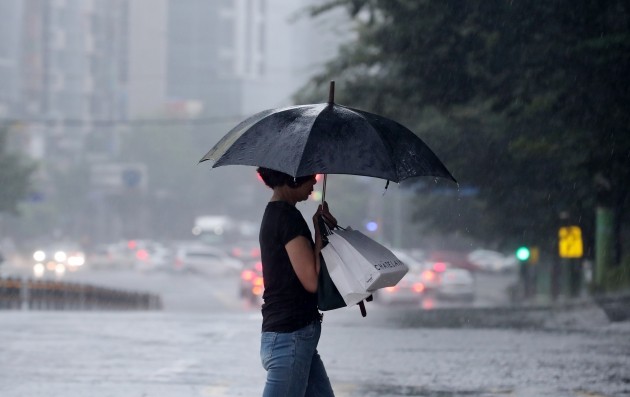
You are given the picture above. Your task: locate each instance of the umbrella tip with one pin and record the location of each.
(331, 92)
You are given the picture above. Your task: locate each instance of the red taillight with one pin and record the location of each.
(428, 304)
(428, 275)
(179, 263)
(255, 252)
(418, 287)
(439, 267)
(237, 252)
(258, 266)
(247, 275)
(142, 255)
(258, 286)
(391, 289)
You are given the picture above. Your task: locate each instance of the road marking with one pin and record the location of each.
(345, 389)
(215, 391)
(176, 368)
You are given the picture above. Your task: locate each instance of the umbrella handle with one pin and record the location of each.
(324, 189)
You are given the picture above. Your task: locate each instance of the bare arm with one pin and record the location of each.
(305, 262)
(304, 259)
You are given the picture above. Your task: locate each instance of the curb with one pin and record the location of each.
(574, 315)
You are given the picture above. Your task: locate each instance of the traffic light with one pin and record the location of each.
(522, 253)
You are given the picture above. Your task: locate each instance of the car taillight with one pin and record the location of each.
(142, 255)
(428, 304)
(258, 266)
(258, 287)
(428, 275)
(418, 287)
(439, 267)
(247, 275)
(391, 289)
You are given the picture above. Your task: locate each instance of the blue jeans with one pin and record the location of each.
(294, 368)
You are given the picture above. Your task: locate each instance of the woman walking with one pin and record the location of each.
(291, 324)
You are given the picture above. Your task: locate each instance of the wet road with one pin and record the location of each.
(206, 344)
(194, 354)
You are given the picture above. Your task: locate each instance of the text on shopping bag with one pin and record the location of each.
(371, 262)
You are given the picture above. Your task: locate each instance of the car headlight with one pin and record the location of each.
(76, 260)
(60, 256)
(60, 269)
(39, 255)
(39, 269)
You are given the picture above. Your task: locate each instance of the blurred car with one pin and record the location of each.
(251, 284)
(150, 255)
(409, 289)
(246, 250)
(206, 260)
(491, 261)
(456, 283)
(57, 259)
(141, 255)
(430, 278)
(453, 259)
(110, 256)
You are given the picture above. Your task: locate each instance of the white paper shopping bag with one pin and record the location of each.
(373, 265)
(349, 287)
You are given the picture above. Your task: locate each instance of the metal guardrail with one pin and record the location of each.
(27, 294)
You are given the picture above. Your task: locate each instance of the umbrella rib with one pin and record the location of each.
(308, 139)
(383, 141)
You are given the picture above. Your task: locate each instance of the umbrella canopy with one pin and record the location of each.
(327, 138)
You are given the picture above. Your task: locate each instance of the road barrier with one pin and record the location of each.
(27, 294)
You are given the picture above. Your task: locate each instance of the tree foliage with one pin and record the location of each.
(526, 101)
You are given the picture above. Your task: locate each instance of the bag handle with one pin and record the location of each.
(325, 229)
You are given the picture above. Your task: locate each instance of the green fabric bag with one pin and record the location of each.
(328, 297)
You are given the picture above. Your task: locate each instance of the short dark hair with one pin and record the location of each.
(273, 178)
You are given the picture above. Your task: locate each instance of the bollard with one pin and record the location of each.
(27, 294)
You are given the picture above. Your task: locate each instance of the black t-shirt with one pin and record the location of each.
(288, 306)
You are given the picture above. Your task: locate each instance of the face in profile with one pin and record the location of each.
(305, 189)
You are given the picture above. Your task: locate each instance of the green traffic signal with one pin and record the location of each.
(522, 254)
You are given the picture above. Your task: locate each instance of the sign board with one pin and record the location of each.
(118, 177)
(570, 242)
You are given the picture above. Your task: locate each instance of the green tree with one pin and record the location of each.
(523, 100)
(14, 176)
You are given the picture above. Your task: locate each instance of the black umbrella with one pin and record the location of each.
(327, 138)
